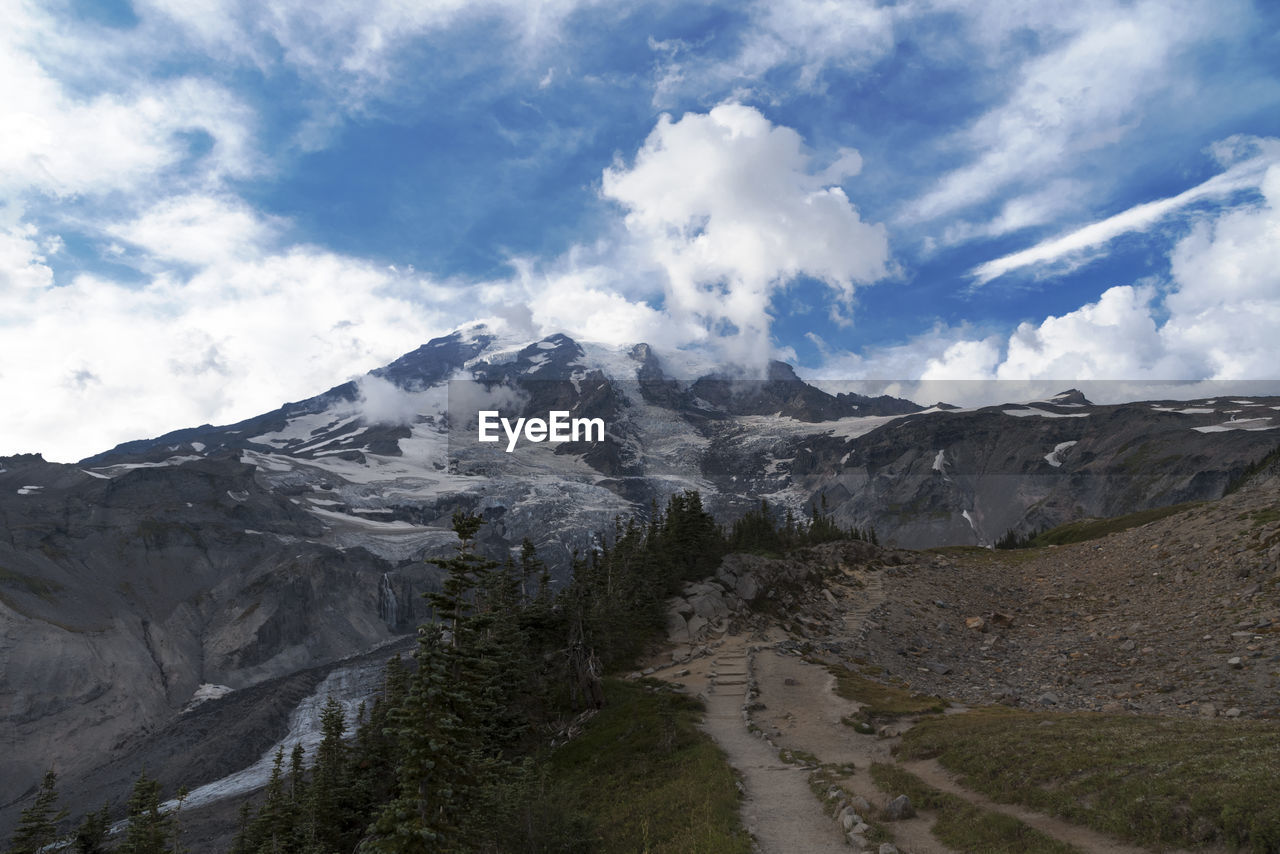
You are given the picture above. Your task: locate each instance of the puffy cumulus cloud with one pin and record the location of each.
(807, 36)
(1109, 62)
(729, 207)
(1115, 337)
(1225, 310)
(95, 362)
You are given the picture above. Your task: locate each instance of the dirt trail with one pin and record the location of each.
(796, 708)
(802, 712)
(1089, 840)
(779, 809)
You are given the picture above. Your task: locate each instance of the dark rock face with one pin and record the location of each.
(120, 597)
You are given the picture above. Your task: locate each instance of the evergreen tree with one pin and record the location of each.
(148, 829)
(91, 835)
(434, 777)
(176, 820)
(244, 821)
(273, 830)
(329, 822)
(38, 824)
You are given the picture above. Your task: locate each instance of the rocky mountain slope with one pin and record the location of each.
(158, 574)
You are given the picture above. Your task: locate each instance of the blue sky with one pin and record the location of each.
(212, 207)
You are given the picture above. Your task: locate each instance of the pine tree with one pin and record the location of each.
(91, 835)
(273, 830)
(38, 824)
(148, 828)
(176, 820)
(244, 821)
(434, 773)
(328, 804)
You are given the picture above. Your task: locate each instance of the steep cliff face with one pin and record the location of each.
(120, 597)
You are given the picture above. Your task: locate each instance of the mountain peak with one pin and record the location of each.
(1070, 397)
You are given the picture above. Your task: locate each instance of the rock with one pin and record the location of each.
(697, 628)
(1208, 710)
(1235, 662)
(976, 623)
(1001, 620)
(710, 605)
(1127, 646)
(1232, 713)
(898, 809)
(1048, 699)
(861, 804)
(888, 848)
(938, 667)
(857, 841)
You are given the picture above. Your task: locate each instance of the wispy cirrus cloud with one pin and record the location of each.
(1247, 174)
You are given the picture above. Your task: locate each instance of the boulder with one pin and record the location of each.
(898, 809)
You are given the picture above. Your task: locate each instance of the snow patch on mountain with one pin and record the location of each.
(1054, 457)
(1043, 413)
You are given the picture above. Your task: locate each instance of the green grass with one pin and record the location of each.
(1092, 529)
(963, 826)
(1153, 781)
(1262, 517)
(880, 700)
(648, 779)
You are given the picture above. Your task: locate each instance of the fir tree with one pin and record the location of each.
(38, 824)
(273, 830)
(328, 803)
(434, 776)
(91, 834)
(148, 828)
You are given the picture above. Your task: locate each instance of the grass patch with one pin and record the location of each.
(883, 701)
(1153, 781)
(648, 779)
(1262, 517)
(963, 826)
(1093, 529)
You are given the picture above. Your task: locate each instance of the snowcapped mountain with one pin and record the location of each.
(226, 559)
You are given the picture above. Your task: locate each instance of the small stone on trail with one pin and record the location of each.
(898, 809)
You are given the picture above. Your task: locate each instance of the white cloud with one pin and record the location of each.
(1247, 174)
(807, 35)
(104, 362)
(1084, 94)
(353, 49)
(381, 401)
(1215, 320)
(59, 142)
(1225, 311)
(729, 208)
(198, 229)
